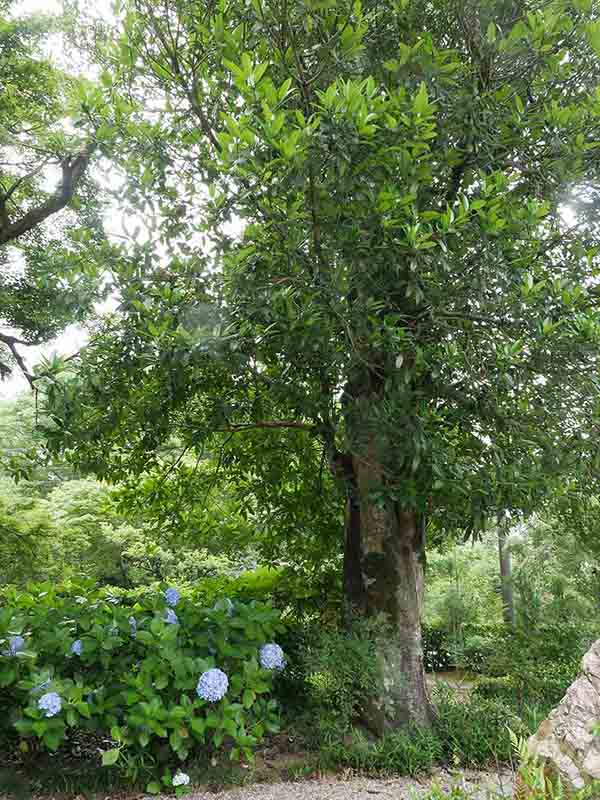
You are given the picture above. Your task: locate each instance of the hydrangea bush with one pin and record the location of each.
(139, 673)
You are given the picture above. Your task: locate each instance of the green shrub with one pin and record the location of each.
(469, 649)
(474, 732)
(136, 683)
(545, 683)
(403, 752)
(436, 654)
(480, 643)
(537, 666)
(336, 669)
(531, 683)
(502, 688)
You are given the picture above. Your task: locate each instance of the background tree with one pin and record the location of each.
(407, 301)
(506, 588)
(56, 525)
(51, 234)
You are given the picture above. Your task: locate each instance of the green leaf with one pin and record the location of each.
(115, 733)
(248, 698)
(83, 709)
(259, 71)
(110, 757)
(421, 100)
(284, 89)
(212, 721)
(153, 787)
(593, 35)
(237, 71)
(52, 740)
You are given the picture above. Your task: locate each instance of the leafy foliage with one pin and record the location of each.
(53, 249)
(331, 677)
(136, 681)
(408, 752)
(426, 283)
(403, 320)
(476, 732)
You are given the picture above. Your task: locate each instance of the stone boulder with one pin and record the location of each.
(565, 742)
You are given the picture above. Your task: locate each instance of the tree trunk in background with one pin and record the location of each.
(354, 600)
(391, 551)
(508, 605)
(353, 590)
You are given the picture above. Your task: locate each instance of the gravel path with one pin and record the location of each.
(478, 785)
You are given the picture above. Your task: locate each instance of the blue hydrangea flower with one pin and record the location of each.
(77, 647)
(171, 617)
(133, 625)
(172, 597)
(15, 645)
(213, 685)
(50, 704)
(181, 779)
(271, 656)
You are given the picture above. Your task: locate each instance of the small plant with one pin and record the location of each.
(437, 793)
(535, 782)
(411, 752)
(339, 669)
(474, 733)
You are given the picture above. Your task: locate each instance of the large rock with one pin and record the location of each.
(565, 742)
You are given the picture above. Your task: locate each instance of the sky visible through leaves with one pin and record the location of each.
(74, 336)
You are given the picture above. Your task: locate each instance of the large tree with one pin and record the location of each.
(407, 300)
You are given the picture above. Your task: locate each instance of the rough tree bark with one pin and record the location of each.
(73, 168)
(353, 589)
(383, 576)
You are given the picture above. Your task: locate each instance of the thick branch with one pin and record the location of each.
(9, 193)
(268, 424)
(11, 342)
(73, 169)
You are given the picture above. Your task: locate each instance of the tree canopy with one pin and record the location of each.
(410, 301)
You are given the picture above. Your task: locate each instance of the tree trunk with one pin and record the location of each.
(390, 547)
(508, 605)
(354, 598)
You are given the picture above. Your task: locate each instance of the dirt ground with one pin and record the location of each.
(478, 785)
